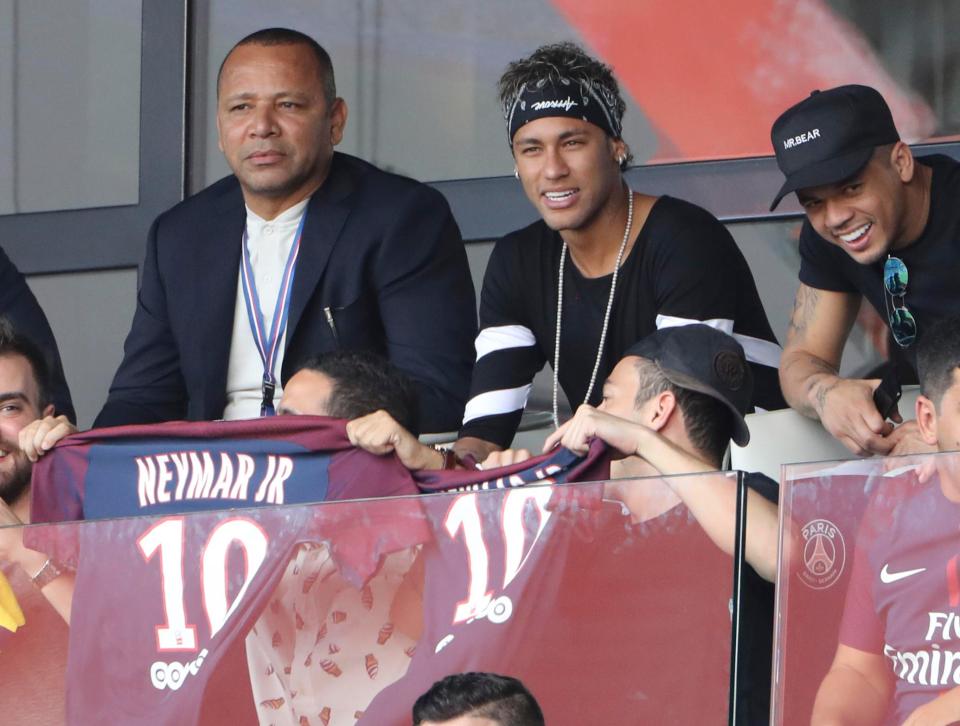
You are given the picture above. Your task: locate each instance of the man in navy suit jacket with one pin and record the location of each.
(381, 265)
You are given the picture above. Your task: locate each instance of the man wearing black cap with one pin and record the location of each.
(605, 265)
(881, 225)
(672, 404)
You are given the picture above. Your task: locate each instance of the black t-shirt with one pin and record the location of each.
(684, 268)
(933, 260)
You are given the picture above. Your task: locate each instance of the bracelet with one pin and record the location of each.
(46, 574)
(450, 458)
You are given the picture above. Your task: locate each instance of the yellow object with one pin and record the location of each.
(11, 616)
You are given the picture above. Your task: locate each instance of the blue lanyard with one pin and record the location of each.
(268, 341)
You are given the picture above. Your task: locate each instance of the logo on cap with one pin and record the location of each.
(801, 138)
(730, 369)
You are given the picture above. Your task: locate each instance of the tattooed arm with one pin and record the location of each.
(809, 372)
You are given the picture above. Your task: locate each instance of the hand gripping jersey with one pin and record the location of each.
(158, 601)
(189, 467)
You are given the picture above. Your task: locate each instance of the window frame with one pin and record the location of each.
(101, 238)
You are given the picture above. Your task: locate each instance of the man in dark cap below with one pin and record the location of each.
(671, 405)
(882, 225)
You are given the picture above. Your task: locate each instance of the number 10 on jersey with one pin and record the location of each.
(167, 538)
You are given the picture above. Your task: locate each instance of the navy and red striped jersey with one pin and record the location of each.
(161, 597)
(170, 583)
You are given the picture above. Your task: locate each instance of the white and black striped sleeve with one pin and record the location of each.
(508, 357)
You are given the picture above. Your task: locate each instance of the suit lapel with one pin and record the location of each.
(326, 214)
(216, 269)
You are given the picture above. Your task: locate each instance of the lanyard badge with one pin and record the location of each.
(268, 340)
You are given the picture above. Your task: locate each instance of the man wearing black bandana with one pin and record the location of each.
(604, 267)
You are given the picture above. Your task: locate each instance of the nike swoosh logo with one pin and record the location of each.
(887, 577)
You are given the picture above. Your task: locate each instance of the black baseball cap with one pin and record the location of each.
(830, 136)
(703, 359)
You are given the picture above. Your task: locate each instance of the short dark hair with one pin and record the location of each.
(708, 422)
(365, 382)
(938, 354)
(286, 36)
(561, 60)
(487, 695)
(12, 343)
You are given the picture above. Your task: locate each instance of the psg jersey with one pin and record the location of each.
(158, 601)
(188, 467)
(904, 590)
(558, 586)
(321, 652)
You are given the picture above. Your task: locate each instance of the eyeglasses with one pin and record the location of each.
(902, 323)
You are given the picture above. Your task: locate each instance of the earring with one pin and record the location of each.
(516, 173)
(622, 158)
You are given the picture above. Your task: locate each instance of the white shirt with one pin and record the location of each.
(269, 243)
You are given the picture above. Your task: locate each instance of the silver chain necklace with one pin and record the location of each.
(606, 315)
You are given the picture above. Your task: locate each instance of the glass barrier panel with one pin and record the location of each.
(868, 590)
(608, 600)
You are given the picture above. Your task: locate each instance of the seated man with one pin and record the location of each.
(873, 213)
(477, 699)
(671, 405)
(301, 250)
(34, 658)
(347, 385)
(604, 266)
(888, 630)
(350, 384)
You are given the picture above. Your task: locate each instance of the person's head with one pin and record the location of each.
(564, 116)
(938, 366)
(689, 383)
(349, 384)
(278, 115)
(24, 397)
(477, 699)
(840, 152)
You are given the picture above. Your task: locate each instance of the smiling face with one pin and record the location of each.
(568, 169)
(275, 127)
(19, 405)
(866, 215)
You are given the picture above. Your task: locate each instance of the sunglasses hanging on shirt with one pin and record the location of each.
(901, 320)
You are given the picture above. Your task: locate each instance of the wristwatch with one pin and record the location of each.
(46, 574)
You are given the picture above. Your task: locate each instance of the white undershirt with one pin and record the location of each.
(269, 243)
